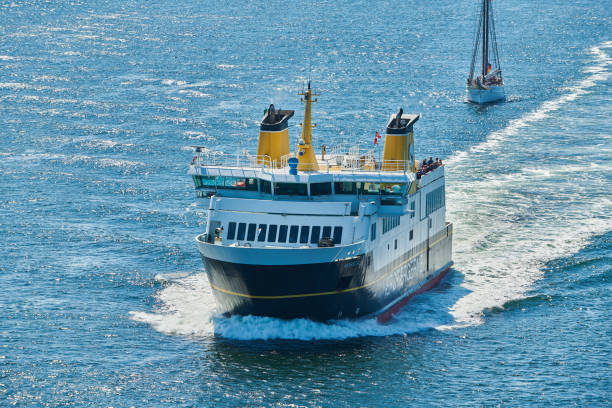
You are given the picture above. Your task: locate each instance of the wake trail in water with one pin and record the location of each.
(533, 191)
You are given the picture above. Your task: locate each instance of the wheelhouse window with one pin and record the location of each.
(371, 188)
(293, 234)
(204, 181)
(265, 187)
(261, 232)
(251, 232)
(298, 189)
(241, 231)
(393, 189)
(231, 231)
(373, 232)
(282, 233)
(304, 233)
(316, 233)
(368, 188)
(320, 189)
(345, 188)
(337, 235)
(272, 233)
(239, 183)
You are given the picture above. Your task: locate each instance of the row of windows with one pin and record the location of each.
(298, 189)
(280, 233)
(365, 188)
(390, 222)
(227, 182)
(435, 200)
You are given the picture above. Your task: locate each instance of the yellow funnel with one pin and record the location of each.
(273, 137)
(398, 154)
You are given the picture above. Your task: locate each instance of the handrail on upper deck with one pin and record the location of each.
(351, 161)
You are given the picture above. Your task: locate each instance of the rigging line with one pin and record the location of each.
(497, 63)
(476, 43)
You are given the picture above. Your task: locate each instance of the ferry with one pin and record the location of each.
(321, 234)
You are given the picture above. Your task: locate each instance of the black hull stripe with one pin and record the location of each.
(335, 292)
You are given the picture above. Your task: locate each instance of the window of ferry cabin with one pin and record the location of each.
(272, 232)
(304, 233)
(251, 232)
(393, 189)
(370, 188)
(204, 181)
(341, 187)
(231, 231)
(295, 189)
(240, 183)
(337, 235)
(316, 233)
(327, 232)
(241, 231)
(293, 234)
(261, 232)
(282, 233)
(265, 187)
(320, 189)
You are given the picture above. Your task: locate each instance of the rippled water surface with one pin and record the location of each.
(104, 299)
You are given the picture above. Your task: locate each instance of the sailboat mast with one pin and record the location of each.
(485, 36)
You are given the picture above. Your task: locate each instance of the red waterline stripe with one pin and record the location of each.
(385, 316)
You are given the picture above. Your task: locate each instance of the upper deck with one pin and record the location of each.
(353, 165)
(350, 178)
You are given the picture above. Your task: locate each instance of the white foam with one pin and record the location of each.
(186, 307)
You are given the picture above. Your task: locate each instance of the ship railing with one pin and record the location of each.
(353, 160)
(241, 159)
(364, 163)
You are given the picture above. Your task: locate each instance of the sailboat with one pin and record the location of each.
(487, 85)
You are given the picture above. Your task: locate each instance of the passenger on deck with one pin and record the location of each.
(430, 162)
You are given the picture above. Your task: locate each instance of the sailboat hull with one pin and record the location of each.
(481, 96)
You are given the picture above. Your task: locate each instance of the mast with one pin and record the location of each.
(485, 36)
(306, 155)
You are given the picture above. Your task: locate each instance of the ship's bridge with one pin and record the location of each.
(351, 176)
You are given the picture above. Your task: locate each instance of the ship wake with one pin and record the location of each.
(532, 192)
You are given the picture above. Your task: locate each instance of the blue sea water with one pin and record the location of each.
(103, 296)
